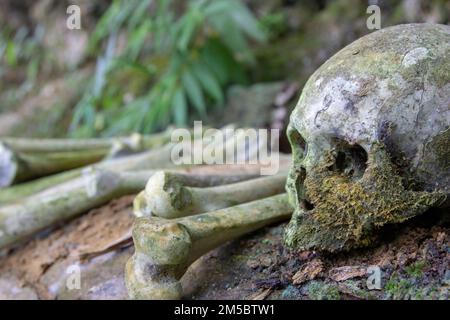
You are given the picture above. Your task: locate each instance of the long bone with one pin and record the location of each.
(168, 196)
(159, 158)
(23, 159)
(135, 142)
(94, 188)
(164, 249)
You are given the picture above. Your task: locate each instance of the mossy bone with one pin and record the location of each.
(370, 138)
(165, 248)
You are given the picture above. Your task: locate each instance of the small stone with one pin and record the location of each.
(266, 261)
(440, 238)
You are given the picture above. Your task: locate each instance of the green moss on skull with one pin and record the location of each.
(397, 76)
(295, 178)
(441, 76)
(346, 214)
(436, 154)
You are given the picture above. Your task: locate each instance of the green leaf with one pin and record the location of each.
(166, 99)
(113, 19)
(218, 59)
(137, 39)
(246, 21)
(11, 55)
(208, 81)
(186, 27)
(194, 92)
(180, 107)
(217, 7)
(122, 62)
(103, 25)
(234, 39)
(139, 14)
(189, 57)
(84, 112)
(152, 117)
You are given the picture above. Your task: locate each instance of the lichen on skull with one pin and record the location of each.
(370, 138)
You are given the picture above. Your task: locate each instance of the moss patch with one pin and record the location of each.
(346, 214)
(416, 269)
(322, 291)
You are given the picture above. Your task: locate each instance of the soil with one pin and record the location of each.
(413, 260)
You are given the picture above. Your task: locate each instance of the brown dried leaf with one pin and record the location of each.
(309, 271)
(103, 229)
(347, 272)
(123, 241)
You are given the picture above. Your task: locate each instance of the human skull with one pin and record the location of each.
(370, 138)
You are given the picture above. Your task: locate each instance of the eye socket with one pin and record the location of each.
(301, 191)
(298, 144)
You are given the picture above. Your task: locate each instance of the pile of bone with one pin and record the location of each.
(181, 218)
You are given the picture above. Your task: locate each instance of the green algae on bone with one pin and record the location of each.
(64, 201)
(167, 196)
(346, 214)
(166, 247)
(436, 154)
(395, 78)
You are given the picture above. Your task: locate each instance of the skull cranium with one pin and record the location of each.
(370, 138)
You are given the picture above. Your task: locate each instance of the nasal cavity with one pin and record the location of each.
(351, 159)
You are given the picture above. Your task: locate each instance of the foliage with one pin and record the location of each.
(318, 290)
(275, 24)
(413, 284)
(416, 269)
(21, 55)
(171, 66)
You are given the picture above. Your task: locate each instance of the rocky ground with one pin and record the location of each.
(413, 259)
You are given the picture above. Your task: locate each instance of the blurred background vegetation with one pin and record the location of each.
(141, 65)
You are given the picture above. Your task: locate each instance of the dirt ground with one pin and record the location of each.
(413, 260)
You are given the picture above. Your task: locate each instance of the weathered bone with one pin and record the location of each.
(94, 188)
(23, 159)
(136, 142)
(365, 154)
(168, 196)
(8, 166)
(159, 158)
(346, 214)
(166, 248)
